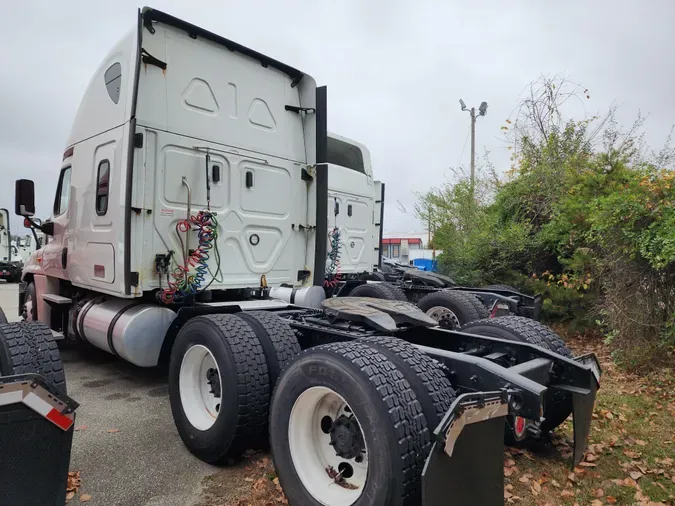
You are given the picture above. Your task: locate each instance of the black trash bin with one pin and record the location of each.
(36, 434)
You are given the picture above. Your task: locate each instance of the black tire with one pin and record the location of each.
(396, 292)
(425, 375)
(244, 381)
(375, 276)
(392, 424)
(277, 339)
(458, 303)
(387, 269)
(29, 347)
(31, 294)
(558, 404)
(507, 288)
(480, 307)
(373, 290)
(3, 318)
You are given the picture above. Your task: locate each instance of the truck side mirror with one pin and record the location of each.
(24, 197)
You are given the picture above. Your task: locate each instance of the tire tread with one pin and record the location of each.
(437, 387)
(252, 380)
(31, 348)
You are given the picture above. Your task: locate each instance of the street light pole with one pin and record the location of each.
(482, 111)
(473, 150)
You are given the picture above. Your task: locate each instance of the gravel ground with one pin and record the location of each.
(142, 462)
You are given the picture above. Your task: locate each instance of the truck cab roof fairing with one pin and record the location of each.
(149, 15)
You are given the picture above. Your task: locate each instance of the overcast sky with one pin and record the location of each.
(395, 71)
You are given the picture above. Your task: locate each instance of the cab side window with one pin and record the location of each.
(102, 187)
(62, 192)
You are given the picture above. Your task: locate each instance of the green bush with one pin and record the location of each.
(591, 229)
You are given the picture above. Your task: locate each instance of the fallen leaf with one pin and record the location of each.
(636, 475)
(611, 499)
(629, 482)
(81, 427)
(640, 442)
(70, 495)
(566, 493)
(571, 477)
(632, 455)
(555, 483)
(113, 430)
(591, 457)
(85, 498)
(510, 463)
(599, 493)
(587, 464)
(596, 502)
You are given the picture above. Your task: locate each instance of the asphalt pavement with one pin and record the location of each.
(126, 446)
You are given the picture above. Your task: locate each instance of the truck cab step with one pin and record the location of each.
(56, 299)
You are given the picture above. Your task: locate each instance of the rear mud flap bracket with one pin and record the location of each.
(466, 463)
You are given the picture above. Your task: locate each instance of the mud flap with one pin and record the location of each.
(583, 402)
(466, 464)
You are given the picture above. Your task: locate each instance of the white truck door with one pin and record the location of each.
(54, 258)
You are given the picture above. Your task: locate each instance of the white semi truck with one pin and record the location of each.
(192, 228)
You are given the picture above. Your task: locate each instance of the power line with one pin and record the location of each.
(464, 148)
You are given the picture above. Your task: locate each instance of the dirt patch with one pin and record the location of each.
(251, 482)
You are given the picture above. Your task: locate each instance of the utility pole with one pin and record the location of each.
(482, 111)
(473, 149)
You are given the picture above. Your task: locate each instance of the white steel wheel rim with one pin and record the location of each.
(313, 456)
(200, 405)
(438, 313)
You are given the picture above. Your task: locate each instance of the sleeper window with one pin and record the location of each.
(113, 81)
(102, 187)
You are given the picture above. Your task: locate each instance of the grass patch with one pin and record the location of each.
(631, 455)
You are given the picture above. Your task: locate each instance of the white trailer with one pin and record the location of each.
(191, 222)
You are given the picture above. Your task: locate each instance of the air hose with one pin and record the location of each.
(333, 265)
(190, 277)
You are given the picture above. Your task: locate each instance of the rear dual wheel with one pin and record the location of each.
(221, 372)
(350, 423)
(557, 403)
(452, 309)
